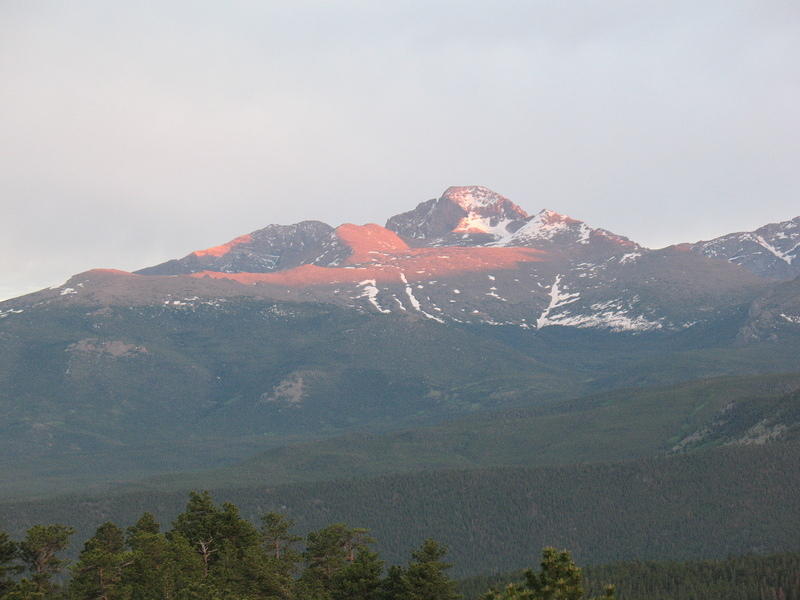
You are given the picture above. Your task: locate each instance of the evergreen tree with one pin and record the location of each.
(209, 529)
(8, 554)
(426, 576)
(329, 551)
(146, 524)
(361, 579)
(395, 585)
(276, 535)
(559, 579)
(98, 574)
(39, 552)
(160, 567)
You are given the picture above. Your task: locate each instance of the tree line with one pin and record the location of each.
(212, 553)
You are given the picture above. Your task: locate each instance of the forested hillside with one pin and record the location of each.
(708, 504)
(620, 425)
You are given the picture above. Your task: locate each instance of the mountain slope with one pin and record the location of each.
(273, 248)
(619, 425)
(771, 251)
(78, 381)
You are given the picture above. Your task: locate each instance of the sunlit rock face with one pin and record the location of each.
(464, 215)
(772, 251)
(477, 216)
(273, 248)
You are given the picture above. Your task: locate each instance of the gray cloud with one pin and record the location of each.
(135, 132)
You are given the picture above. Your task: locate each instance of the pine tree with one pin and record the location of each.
(8, 554)
(276, 535)
(146, 524)
(426, 575)
(328, 551)
(209, 529)
(98, 574)
(559, 579)
(160, 567)
(39, 552)
(361, 579)
(395, 584)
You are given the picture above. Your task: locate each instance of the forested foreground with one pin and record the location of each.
(212, 553)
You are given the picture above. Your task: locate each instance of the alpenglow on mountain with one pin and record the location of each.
(465, 303)
(470, 256)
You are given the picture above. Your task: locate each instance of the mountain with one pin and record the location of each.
(293, 333)
(771, 251)
(468, 257)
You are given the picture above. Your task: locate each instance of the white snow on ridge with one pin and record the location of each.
(414, 302)
(475, 223)
(546, 225)
(557, 299)
(630, 257)
(616, 321)
(371, 294)
(585, 233)
(606, 315)
(772, 249)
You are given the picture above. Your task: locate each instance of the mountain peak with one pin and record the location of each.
(477, 198)
(462, 210)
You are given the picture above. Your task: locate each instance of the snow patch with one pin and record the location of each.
(615, 320)
(557, 299)
(371, 293)
(584, 233)
(630, 257)
(773, 250)
(544, 226)
(414, 302)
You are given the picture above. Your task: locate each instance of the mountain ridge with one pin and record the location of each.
(336, 329)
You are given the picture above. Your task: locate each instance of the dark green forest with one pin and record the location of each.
(211, 552)
(702, 505)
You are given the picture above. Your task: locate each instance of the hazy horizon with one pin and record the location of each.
(135, 134)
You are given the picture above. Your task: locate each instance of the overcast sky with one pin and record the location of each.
(134, 132)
